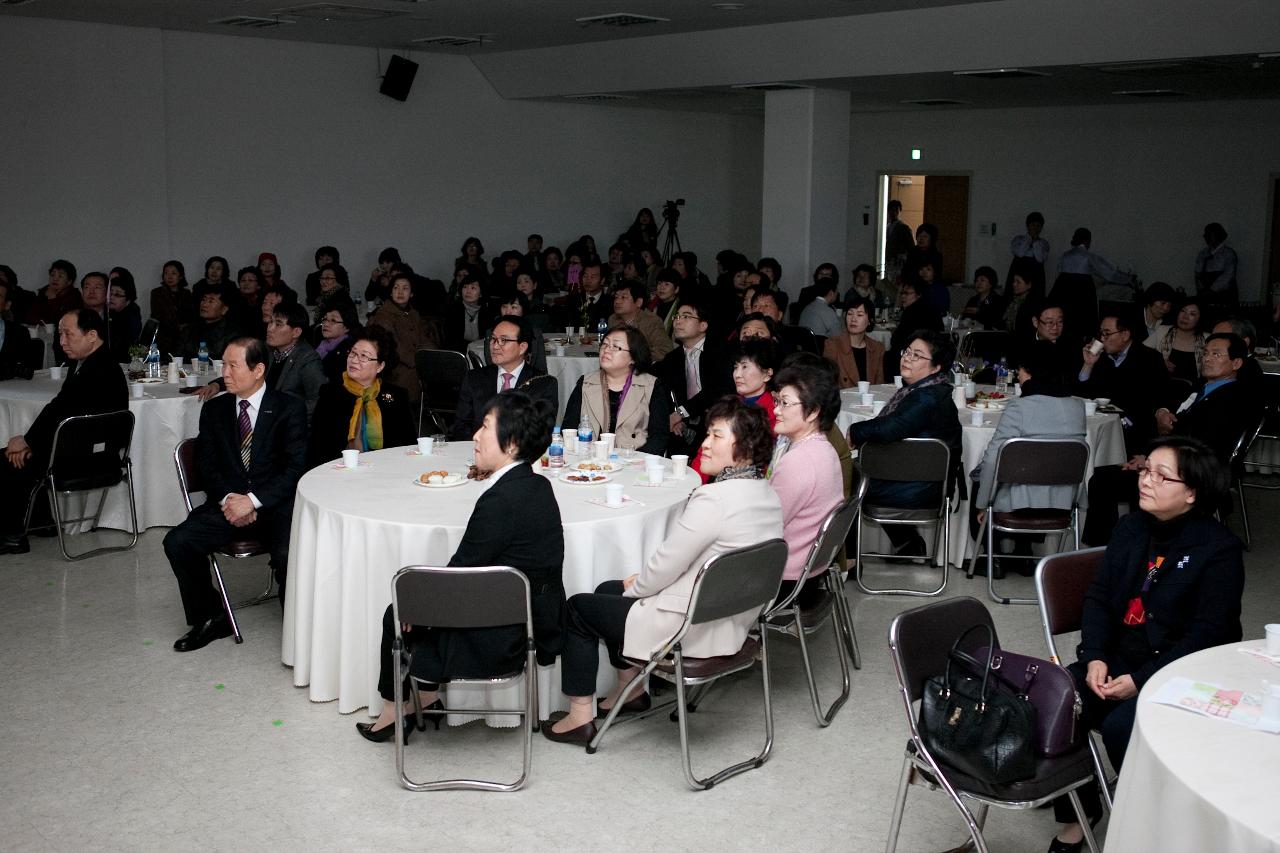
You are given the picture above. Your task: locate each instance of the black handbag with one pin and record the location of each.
(971, 722)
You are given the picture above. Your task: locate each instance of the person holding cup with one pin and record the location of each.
(361, 412)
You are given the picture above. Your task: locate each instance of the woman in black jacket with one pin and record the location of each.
(1170, 584)
(516, 522)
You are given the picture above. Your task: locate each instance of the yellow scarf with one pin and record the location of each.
(366, 417)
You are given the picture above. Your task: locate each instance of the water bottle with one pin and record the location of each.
(153, 361)
(602, 329)
(585, 434)
(1002, 377)
(203, 365)
(359, 303)
(555, 454)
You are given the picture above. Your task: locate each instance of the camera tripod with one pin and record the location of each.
(669, 220)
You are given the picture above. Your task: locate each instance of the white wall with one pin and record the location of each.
(129, 146)
(1145, 178)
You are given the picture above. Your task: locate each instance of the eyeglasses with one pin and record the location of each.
(785, 404)
(1157, 478)
(361, 358)
(502, 342)
(1105, 333)
(684, 315)
(914, 355)
(333, 322)
(612, 347)
(1050, 322)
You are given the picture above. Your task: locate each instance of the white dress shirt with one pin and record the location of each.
(515, 375)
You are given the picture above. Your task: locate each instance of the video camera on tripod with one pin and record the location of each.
(670, 216)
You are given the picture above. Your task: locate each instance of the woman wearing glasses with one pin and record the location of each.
(623, 398)
(360, 411)
(1170, 584)
(921, 408)
(336, 326)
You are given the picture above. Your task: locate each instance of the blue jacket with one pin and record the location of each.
(926, 413)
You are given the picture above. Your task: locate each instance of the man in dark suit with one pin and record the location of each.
(508, 347)
(773, 303)
(592, 304)
(251, 452)
(1223, 407)
(697, 372)
(1127, 373)
(95, 385)
(15, 343)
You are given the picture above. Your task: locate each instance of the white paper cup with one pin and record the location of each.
(191, 380)
(866, 399)
(877, 407)
(135, 390)
(1273, 639)
(679, 464)
(1095, 347)
(613, 494)
(425, 444)
(1017, 390)
(217, 366)
(177, 359)
(55, 372)
(975, 418)
(560, 350)
(568, 331)
(970, 390)
(864, 387)
(653, 471)
(600, 450)
(570, 439)
(897, 382)
(351, 458)
(1091, 407)
(609, 440)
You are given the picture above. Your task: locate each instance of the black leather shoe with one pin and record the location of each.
(635, 706)
(581, 736)
(386, 733)
(14, 545)
(203, 634)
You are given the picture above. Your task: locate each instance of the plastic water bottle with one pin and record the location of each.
(555, 454)
(203, 365)
(153, 361)
(1002, 377)
(602, 329)
(585, 435)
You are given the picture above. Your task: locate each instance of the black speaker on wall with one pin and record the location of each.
(399, 77)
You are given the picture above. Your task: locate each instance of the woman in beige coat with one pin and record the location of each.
(638, 615)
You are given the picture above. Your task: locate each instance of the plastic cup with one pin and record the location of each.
(1095, 347)
(600, 450)
(971, 390)
(1091, 407)
(864, 387)
(135, 390)
(679, 464)
(191, 380)
(55, 372)
(351, 458)
(570, 439)
(975, 418)
(217, 367)
(177, 360)
(866, 399)
(613, 494)
(877, 407)
(897, 382)
(1273, 639)
(653, 470)
(608, 439)
(425, 445)
(560, 350)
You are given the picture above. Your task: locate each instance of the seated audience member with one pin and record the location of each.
(516, 523)
(250, 452)
(760, 326)
(928, 280)
(1159, 299)
(924, 251)
(864, 287)
(535, 307)
(820, 315)
(269, 273)
(533, 253)
(514, 304)
(325, 256)
(94, 385)
(1215, 268)
(1251, 372)
(835, 437)
(93, 296)
(215, 328)
(336, 327)
(738, 508)
(250, 291)
(1170, 584)
(409, 331)
(1182, 344)
(756, 360)
(921, 408)
(1047, 410)
(510, 370)
(773, 304)
(335, 287)
(1221, 409)
(697, 372)
(858, 357)
(172, 307)
(294, 367)
(591, 304)
(125, 319)
(666, 298)
(806, 469)
(985, 307)
(15, 344)
(1128, 374)
(916, 314)
(466, 320)
(19, 298)
(1024, 301)
(624, 397)
(379, 287)
(628, 310)
(1047, 325)
(56, 298)
(217, 272)
(360, 411)
(250, 319)
(551, 274)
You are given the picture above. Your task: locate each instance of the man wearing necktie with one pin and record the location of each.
(250, 453)
(510, 371)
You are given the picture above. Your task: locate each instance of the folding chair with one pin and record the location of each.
(189, 481)
(1270, 428)
(738, 581)
(90, 452)
(1061, 583)
(459, 597)
(1032, 462)
(787, 617)
(441, 373)
(908, 460)
(920, 642)
(1239, 453)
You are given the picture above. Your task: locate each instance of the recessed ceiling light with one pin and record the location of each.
(728, 7)
(1001, 73)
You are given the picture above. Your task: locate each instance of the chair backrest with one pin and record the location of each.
(148, 331)
(441, 373)
(920, 640)
(988, 344)
(737, 581)
(1271, 399)
(461, 596)
(1248, 435)
(907, 460)
(831, 536)
(91, 451)
(184, 460)
(1061, 583)
(1042, 462)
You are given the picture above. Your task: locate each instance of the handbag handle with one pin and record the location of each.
(986, 671)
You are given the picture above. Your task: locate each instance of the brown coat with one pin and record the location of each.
(839, 351)
(411, 334)
(655, 333)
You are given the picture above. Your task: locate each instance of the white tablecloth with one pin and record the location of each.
(1191, 783)
(161, 419)
(570, 367)
(354, 529)
(1104, 435)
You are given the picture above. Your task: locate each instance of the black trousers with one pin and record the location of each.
(189, 545)
(15, 491)
(592, 617)
(1115, 722)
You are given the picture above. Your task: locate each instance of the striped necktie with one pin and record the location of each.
(246, 433)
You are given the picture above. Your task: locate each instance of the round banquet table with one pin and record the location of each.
(1103, 433)
(162, 418)
(578, 360)
(1191, 783)
(353, 529)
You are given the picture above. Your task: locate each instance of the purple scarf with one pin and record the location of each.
(901, 393)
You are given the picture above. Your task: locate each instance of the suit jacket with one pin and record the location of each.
(1032, 416)
(838, 351)
(455, 327)
(1134, 386)
(1192, 604)
(1219, 418)
(719, 517)
(482, 384)
(216, 336)
(277, 454)
(302, 376)
(573, 311)
(332, 421)
(15, 355)
(715, 370)
(94, 386)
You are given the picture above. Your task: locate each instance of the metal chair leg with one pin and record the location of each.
(226, 602)
(899, 806)
(1089, 840)
(851, 639)
(1244, 517)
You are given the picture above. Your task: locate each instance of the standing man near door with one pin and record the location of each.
(898, 240)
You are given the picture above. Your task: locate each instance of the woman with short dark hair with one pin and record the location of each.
(408, 330)
(623, 398)
(335, 328)
(1182, 344)
(858, 357)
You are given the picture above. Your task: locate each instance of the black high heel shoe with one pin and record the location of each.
(434, 713)
(386, 733)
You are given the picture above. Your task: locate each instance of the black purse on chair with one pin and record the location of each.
(971, 721)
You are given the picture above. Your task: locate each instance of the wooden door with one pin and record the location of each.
(946, 205)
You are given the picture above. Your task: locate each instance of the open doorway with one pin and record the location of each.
(940, 199)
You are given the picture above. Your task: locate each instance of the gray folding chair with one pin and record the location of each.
(460, 598)
(1061, 583)
(908, 460)
(1270, 431)
(1032, 462)
(920, 642)
(787, 617)
(739, 581)
(89, 453)
(1248, 435)
(441, 373)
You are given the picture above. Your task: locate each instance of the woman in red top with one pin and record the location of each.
(753, 370)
